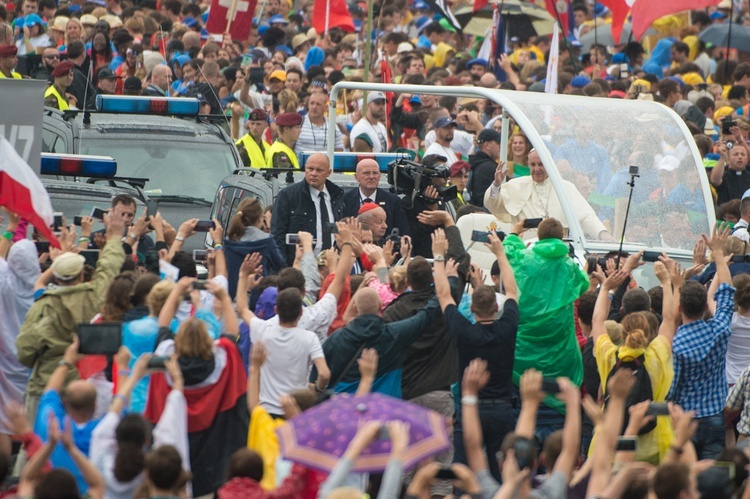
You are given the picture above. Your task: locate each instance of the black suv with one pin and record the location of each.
(181, 160)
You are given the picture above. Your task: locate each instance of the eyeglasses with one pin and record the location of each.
(51, 56)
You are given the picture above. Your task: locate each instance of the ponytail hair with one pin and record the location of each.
(248, 213)
(635, 327)
(131, 434)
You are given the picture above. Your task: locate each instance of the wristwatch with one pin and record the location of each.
(179, 238)
(133, 236)
(66, 364)
(439, 258)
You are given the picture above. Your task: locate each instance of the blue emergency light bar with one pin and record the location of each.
(169, 106)
(76, 165)
(346, 162)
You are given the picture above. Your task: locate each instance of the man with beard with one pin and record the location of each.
(444, 129)
(371, 125)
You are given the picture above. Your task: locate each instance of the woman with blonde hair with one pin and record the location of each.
(288, 101)
(518, 155)
(635, 349)
(73, 32)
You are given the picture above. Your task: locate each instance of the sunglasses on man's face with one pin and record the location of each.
(51, 56)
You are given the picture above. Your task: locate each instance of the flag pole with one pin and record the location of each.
(260, 14)
(328, 17)
(230, 15)
(368, 41)
(729, 39)
(567, 43)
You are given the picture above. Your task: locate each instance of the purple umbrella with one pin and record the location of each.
(318, 437)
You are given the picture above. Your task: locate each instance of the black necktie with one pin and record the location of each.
(324, 221)
(367, 200)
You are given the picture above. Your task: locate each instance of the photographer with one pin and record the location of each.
(430, 198)
(731, 182)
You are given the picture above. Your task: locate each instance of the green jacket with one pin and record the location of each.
(52, 320)
(549, 283)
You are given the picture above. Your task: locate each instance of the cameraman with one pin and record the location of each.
(428, 199)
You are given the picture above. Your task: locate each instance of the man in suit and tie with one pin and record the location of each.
(368, 177)
(309, 205)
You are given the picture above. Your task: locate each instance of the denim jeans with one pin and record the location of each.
(497, 419)
(709, 440)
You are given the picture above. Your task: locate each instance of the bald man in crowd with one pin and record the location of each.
(368, 329)
(368, 177)
(161, 80)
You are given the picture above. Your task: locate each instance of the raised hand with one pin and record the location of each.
(476, 377)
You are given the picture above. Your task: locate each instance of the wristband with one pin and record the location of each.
(676, 450)
(123, 372)
(469, 400)
(84, 239)
(346, 244)
(66, 364)
(179, 238)
(217, 247)
(8, 235)
(122, 397)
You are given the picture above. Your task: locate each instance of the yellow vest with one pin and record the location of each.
(12, 73)
(62, 103)
(257, 157)
(278, 147)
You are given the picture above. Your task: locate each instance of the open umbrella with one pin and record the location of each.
(718, 34)
(524, 19)
(318, 437)
(603, 36)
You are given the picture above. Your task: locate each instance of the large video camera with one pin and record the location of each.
(410, 178)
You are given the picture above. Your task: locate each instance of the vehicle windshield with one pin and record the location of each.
(173, 168)
(594, 142)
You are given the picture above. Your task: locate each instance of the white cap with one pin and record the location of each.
(746, 194)
(669, 163)
(404, 47)
(373, 96)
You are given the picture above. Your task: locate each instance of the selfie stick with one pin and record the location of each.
(633, 171)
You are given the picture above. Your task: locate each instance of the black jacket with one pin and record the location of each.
(394, 209)
(482, 175)
(294, 211)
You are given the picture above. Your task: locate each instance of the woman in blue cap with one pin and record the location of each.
(34, 35)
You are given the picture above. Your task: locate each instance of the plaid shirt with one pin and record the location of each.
(699, 352)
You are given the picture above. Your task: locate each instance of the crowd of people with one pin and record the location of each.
(554, 380)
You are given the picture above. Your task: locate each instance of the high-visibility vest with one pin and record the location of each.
(13, 74)
(278, 147)
(257, 157)
(62, 103)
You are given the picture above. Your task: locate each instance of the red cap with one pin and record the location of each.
(8, 50)
(459, 168)
(62, 69)
(367, 207)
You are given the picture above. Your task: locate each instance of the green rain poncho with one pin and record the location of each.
(549, 282)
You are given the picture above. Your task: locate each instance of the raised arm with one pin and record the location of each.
(258, 356)
(68, 362)
(717, 173)
(506, 271)
(90, 474)
(602, 306)
(442, 287)
(169, 309)
(344, 265)
(368, 367)
(475, 378)
(571, 437)
(669, 280)
(716, 245)
(231, 326)
(531, 396)
(220, 261)
(618, 388)
(250, 275)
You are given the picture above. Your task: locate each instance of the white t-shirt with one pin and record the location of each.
(377, 133)
(207, 300)
(442, 151)
(462, 143)
(316, 318)
(291, 352)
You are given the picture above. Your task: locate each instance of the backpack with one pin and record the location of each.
(642, 390)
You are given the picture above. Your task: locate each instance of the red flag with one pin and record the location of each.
(480, 4)
(560, 10)
(645, 12)
(239, 23)
(619, 9)
(23, 193)
(329, 14)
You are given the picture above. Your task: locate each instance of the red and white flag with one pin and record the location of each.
(550, 86)
(619, 9)
(23, 193)
(238, 14)
(329, 14)
(560, 10)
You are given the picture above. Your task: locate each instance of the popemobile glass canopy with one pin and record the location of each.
(592, 142)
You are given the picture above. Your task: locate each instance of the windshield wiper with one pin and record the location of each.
(181, 199)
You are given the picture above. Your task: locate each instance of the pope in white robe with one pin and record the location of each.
(535, 197)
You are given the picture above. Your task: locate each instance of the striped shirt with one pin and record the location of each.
(315, 138)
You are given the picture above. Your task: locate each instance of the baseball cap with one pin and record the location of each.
(580, 81)
(278, 75)
(278, 18)
(746, 194)
(88, 20)
(489, 135)
(106, 74)
(478, 60)
(443, 122)
(132, 83)
(298, 40)
(669, 163)
(373, 96)
(68, 265)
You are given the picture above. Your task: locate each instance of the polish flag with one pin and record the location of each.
(22, 192)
